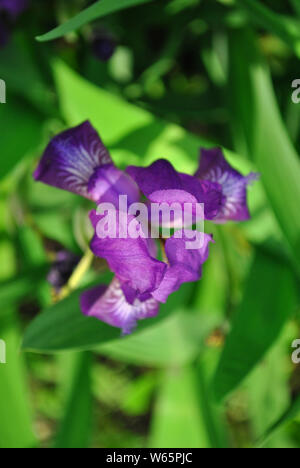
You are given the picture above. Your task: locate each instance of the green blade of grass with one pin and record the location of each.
(17, 118)
(98, 10)
(75, 425)
(285, 419)
(16, 430)
(257, 323)
(15, 288)
(177, 421)
(267, 402)
(296, 5)
(265, 135)
(284, 27)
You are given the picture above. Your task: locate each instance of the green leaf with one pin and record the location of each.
(265, 135)
(12, 290)
(132, 133)
(16, 118)
(75, 426)
(177, 420)
(285, 419)
(29, 84)
(63, 326)
(267, 402)
(176, 340)
(257, 322)
(296, 5)
(98, 10)
(16, 429)
(285, 27)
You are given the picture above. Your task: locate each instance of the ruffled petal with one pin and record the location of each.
(214, 167)
(160, 176)
(110, 305)
(71, 159)
(129, 258)
(161, 183)
(185, 265)
(206, 192)
(108, 183)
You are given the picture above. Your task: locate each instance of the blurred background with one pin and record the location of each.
(158, 80)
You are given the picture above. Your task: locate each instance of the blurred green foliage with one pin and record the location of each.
(214, 369)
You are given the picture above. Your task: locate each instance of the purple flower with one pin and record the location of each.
(214, 167)
(62, 268)
(130, 259)
(111, 306)
(141, 276)
(143, 281)
(77, 161)
(184, 266)
(161, 183)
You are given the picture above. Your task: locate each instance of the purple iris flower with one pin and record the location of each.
(77, 161)
(161, 183)
(110, 305)
(142, 281)
(214, 167)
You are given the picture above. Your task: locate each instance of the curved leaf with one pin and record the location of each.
(63, 326)
(98, 10)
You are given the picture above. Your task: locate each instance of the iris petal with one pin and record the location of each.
(108, 183)
(214, 168)
(185, 265)
(130, 259)
(71, 158)
(110, 306)
(161, 183)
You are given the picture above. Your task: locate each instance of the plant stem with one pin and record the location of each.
(77, 275)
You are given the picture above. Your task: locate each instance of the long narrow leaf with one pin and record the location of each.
(285, 27)
(296, 6)
(98, 10)
(63, 326)
(257, 323)
(16, 430)
(178, 422)
(75, 427)
(268, 142)
(287, 417)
